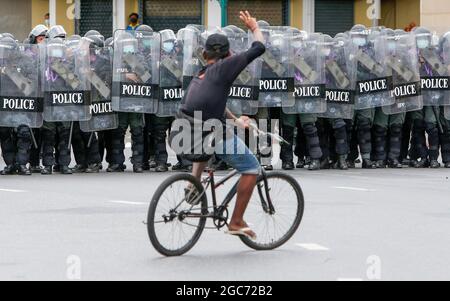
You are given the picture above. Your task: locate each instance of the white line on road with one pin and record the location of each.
(312, 247)
(11, 190)
(349, 279)
(128, 145)
(353, 188)
(127, 203)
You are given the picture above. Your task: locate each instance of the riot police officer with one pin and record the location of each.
(51, 130)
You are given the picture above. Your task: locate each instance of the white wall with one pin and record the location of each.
(214, 13)
(435, 15)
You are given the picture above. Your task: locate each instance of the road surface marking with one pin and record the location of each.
(11, 190)
(313, 247)
(128, 145)
(349, 279)
(353, 188)
(127, 203)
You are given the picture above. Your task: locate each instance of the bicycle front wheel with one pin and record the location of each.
(274, 221)
(174, 225)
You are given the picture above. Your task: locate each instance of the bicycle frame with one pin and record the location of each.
(266, 201)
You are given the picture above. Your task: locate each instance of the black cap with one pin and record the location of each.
(217, 43)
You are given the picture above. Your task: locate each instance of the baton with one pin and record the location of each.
(33, 138)
(277, 137)
(436, 115)
(70, 136)
(90, 139)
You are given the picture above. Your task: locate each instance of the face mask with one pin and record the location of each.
(422, 44)
(147, 43)
(133, 20)
(391, 46)
(359, 41)
(57, 53)
(128, 49)
(168, 47)
(47, 22)
(297, 44)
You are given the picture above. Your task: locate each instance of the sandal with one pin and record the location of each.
(242, 232)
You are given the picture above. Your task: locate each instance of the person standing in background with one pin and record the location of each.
(134, 21)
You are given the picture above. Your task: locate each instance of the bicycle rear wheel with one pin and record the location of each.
(172, 228)
(274, 229)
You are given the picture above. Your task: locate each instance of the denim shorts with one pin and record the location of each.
(236, 154)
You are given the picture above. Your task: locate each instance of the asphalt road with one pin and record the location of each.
(358, 225)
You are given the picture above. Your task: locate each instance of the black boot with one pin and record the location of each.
(181, 167)
(287, 165)
(368, 164)
(420, 163)
(342, 162)
(380, 164)
(300, 163)
(137, 168)
(46, 170)
(146, 166)
(35, 169)
(115, 168)
(351, 164)
(23, 170)
(9, 170)
(394, 163)
(93, 168)
(65, 170)
(434, 164)
(314, 165)
(79, 168)
(161, 167)
(267, 167)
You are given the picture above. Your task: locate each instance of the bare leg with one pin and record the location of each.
(198, 168)
(244, 192)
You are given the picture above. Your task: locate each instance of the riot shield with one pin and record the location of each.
(243, 96)
(100, 78)
(20, 96)
(309, 75)
(194, 38)
(276, 86)
(340, 77)
(434, 74)
(402, 60)
(374, 85)
(170, 74)
(135, 71)
(447, 112)
(64, 81)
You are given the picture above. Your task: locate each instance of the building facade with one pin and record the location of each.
(327, 16)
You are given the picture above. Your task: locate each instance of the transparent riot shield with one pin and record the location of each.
(135, 71)
(64, 81)
(100, 77)
(309, 70)
(20, 96)
(373, 86)
(194, 40)
(243, 96)
(340, 81)
(276, 86)
(434, 72)
(447, 112)
(402, 60)
(170, 74)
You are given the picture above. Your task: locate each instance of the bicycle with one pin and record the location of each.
(260, 213)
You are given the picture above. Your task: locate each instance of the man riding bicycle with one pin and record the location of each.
(208, 93)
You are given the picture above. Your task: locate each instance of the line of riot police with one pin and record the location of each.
(374, 93)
